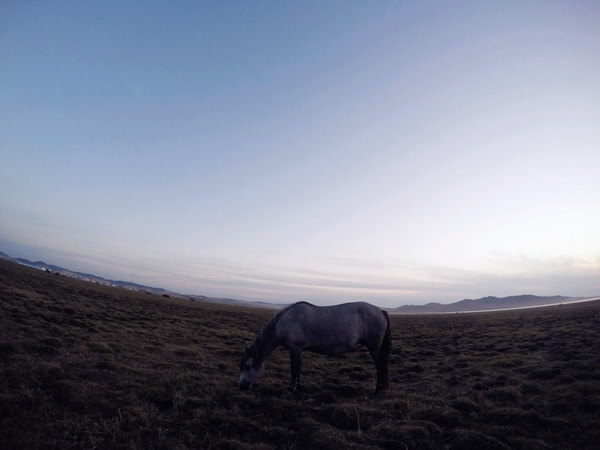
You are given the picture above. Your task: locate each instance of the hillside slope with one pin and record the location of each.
(90, 366)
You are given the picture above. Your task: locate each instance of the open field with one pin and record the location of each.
(89, 366)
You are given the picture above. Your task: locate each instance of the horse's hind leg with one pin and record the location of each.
(381, 372)
(381, 356)
(381, 360)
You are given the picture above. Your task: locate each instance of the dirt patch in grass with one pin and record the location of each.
(84, 366)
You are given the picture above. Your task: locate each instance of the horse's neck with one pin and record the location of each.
(265, 342)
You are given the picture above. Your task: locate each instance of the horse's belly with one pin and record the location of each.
(331, 349)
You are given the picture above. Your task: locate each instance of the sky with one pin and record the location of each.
(388, 151)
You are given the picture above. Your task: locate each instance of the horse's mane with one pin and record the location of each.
(267, 335)
(287, 308)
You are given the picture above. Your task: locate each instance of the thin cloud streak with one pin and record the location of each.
(384, 283)
(323, 280)
(442, 284)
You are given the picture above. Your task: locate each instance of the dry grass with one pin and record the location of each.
(86, 366)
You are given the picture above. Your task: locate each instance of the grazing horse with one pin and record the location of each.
(328, 330)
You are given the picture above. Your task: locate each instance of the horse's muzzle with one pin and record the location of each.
(245, 385)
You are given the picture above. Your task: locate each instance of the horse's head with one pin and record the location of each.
(251, 368)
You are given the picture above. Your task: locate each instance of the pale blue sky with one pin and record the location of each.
(394, 152)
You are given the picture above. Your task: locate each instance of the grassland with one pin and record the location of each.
(88, 366)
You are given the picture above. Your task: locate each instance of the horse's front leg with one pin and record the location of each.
(295, 365)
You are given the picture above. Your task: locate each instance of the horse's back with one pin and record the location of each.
(346, 313)
(331, 329)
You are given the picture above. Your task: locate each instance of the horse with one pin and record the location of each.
(328, 330)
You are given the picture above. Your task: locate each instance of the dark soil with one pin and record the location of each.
(88, 366)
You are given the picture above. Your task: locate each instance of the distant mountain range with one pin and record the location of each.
(481, 304)
(484, 304)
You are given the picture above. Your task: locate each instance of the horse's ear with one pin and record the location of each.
(246, 345)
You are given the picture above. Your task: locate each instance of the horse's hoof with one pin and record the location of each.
(287, 394)
(375, 395)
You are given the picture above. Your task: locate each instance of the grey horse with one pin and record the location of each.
(328, 330)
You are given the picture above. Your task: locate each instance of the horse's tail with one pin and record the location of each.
(385, 351)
